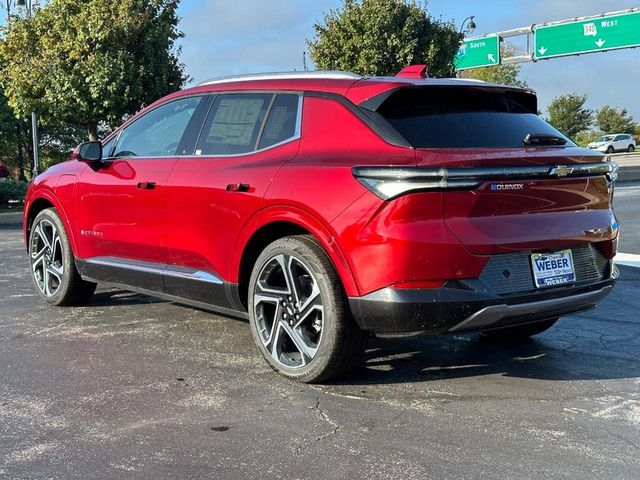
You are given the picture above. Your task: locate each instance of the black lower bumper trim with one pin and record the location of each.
(447, 309)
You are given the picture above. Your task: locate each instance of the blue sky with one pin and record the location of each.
(225, 37)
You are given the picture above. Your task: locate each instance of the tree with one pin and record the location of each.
(380, 37)
(91, 61)
(568, 114)
(502, 74)
(614, 120)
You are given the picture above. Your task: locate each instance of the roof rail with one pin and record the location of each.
(317, 74)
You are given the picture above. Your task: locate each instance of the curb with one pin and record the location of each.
(11, 218)
(629, 174)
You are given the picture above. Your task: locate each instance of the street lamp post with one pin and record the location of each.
(471, 26)
(28, 5)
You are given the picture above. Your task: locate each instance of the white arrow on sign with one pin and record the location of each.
(542, 50)
(600, 42)
(491, 58)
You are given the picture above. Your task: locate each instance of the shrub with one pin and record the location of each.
(12, 192)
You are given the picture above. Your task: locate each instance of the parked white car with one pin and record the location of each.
(616, 142)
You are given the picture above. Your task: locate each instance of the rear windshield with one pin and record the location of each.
(462, 117)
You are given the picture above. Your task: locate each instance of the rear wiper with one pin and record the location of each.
(540, 139)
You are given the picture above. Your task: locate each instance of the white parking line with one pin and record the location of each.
(628, 259)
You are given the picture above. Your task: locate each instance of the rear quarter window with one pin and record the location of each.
(463, 117)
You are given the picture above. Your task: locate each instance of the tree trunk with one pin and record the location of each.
(92, 131)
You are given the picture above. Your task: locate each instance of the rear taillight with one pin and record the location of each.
(392, 182)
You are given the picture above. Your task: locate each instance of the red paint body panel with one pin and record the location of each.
(115, 218)
(204, 220)
(191, 219)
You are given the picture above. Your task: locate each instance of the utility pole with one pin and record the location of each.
(28, 5)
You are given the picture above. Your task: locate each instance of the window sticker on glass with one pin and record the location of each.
(234, 121)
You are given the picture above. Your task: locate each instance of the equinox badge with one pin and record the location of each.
(507, 186)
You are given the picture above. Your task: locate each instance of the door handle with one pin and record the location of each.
(146, 185)
(238, 187)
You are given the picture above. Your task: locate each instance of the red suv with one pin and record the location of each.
(324, 206)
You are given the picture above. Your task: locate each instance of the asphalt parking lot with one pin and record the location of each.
(133, 387)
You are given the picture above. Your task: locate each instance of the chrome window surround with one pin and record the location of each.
(296, 133)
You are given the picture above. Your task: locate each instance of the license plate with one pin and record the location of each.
(552, 269)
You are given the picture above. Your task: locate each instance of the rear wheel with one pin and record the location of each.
(53, 268)
(520, 332)
(630, 148)
(298, 312)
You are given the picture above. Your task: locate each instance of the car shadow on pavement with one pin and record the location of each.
(556, 355)
(120, 297)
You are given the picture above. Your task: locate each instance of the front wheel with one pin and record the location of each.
(630, 148)
(298, 312)
(53, 268)
(610, 149)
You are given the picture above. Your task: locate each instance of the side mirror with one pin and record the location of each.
(90, 152)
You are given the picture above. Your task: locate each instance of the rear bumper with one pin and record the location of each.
(468, 306)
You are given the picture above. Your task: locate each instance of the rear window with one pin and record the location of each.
(462, 117)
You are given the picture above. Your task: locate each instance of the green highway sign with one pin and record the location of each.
(478, 52)
(596, 34)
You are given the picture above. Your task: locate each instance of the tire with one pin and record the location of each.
(630, 148)
(521, 332)
(306, 333)
(610, 149)
(52, 263)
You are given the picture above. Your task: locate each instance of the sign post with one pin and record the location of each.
(478, 52)
(596, 34)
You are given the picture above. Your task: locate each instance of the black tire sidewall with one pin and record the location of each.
(67, 257)
(333, 305)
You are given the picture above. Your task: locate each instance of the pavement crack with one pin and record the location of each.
(333, 425)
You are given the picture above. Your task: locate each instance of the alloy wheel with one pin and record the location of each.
(47, 261)
(289, 311)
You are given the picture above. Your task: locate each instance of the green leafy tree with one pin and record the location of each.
(15, 135)
(568, 114)
(91, 61)
(615, 120)
(380, 37)
(502, 74)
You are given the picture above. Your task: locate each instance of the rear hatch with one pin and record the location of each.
(538, 193)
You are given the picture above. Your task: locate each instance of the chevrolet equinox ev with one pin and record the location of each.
(326, 207)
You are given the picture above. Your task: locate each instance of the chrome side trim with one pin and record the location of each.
(155, 269)
(135, 265)
(190, 274)
(318, 74)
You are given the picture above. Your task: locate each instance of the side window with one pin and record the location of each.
(157, 133)
(107, 147)
(233, 124)
(282, 121)
(618, 138)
